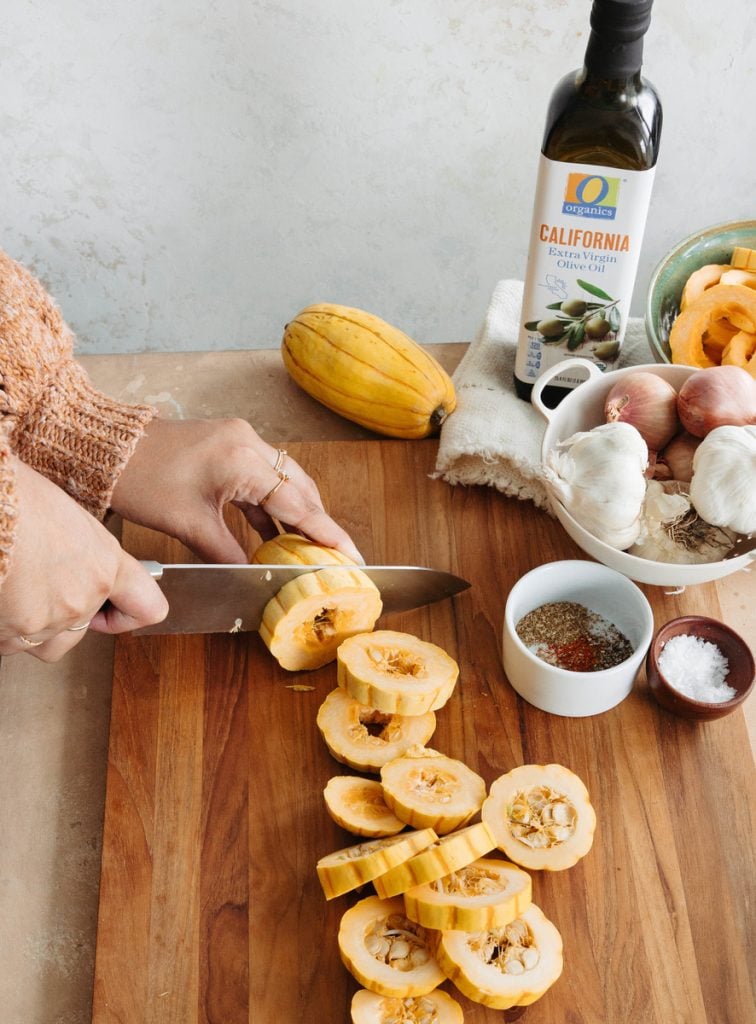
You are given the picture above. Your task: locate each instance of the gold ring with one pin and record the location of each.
(28, 642)
(76, 629)
(282, 453)
(273, 490)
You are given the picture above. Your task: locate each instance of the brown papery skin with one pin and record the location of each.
(718, 396)
(648, 403)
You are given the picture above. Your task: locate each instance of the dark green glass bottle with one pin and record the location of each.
(599, 151)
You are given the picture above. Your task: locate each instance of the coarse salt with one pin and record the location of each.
(696, 668)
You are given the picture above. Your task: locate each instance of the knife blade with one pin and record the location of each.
(231, 598)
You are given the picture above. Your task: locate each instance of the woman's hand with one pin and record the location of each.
(63, 567)
(183, 473)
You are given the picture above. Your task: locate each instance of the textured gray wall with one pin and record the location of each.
(188, 174)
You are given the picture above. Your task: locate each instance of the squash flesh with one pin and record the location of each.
(481, 963)
(359, 807)
(366, 739)
(735, 304)
(489, 893)
(310, 616)
(444, 855)
(381, 960)
(353, 866)
(436, 1007)
(541, 816)
(430, 790)
(396, 672)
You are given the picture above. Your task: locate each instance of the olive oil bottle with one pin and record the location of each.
(596, 169)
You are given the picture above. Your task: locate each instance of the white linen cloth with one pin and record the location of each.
(493, 437)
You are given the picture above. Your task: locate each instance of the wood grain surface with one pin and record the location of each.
(210, 908)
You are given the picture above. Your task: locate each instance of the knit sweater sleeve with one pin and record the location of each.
(55, 420)
(8, 502)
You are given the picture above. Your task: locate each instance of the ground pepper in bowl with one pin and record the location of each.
(570, 636)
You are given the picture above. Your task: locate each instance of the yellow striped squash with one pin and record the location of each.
(367, 371)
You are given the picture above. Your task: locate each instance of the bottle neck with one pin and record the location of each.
(613, 59)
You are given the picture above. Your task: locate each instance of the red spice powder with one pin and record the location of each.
(576, 656)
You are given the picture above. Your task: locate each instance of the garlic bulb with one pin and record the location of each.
(672, 531)
(723, 488)
(598, 475)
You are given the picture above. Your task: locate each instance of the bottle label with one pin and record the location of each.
(588, 224)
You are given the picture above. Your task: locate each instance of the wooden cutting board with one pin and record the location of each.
(210, 908)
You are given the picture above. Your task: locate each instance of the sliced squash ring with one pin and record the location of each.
(437, 1006)
(447, 854)
(312, 614)
(348, 869)
(359, 807)
(396, 672)
(385, 951)
(733, 303)
(365, 739)
(701, 279)
(504, 967)
(430, 790)
(740, 350)
(540, 816)
(488, 893)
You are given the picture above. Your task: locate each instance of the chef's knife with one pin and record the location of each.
(231, 598)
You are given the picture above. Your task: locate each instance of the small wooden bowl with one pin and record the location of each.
(732, 646)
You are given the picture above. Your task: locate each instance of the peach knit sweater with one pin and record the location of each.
(51, 417)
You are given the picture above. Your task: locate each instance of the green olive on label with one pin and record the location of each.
(550, 328)
(573, 307)
(597, 327)
(607, 349)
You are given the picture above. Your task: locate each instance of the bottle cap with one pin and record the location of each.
(621, 20)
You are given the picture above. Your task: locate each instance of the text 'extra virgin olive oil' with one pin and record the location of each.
(595, 174)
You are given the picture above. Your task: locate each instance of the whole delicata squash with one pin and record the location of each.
(365, 739)
(303, 625)
(540, 816)
(353, 866)
(396, 672)
(359, 807)
(503, 967)
(427, 789)
(489, 893)
(433, 1008)
(364, 369)
(385, 951)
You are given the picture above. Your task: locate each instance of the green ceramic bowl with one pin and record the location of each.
(712, 245)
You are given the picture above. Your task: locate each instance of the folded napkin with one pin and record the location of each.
(493, 437)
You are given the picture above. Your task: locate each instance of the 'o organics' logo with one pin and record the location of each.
(591, 195)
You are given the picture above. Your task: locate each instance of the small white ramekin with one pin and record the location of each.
(603, 590)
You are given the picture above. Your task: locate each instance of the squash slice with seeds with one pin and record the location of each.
(365, 739)
(396, 672)
(386, 952)
(303, 625)
(541, 816)
(504, 967)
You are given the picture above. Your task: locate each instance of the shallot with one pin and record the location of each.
(676, 461)
(717, 396)
(648, 403)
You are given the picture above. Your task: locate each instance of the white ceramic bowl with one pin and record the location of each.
(583, 409)
(609, 593)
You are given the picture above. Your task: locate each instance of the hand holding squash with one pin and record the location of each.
(184, 472)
